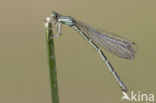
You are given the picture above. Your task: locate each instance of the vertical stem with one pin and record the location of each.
(52, 64)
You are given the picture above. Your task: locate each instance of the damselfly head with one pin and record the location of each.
(54, 16)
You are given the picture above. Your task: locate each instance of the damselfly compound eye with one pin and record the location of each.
(54, 15)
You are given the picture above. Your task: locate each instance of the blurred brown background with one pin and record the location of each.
(82, 75)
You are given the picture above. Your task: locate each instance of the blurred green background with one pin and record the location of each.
(82, 75)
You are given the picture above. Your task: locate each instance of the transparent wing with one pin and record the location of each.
(115, 44)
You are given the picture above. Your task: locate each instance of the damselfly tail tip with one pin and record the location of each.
(124, 89)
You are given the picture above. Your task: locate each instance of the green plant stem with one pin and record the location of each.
(52, 65)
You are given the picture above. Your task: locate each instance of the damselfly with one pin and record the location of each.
(115, 44)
